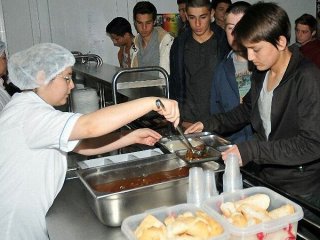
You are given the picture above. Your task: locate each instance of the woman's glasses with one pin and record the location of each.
(67, 78)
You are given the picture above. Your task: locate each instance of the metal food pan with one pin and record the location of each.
(212, 155)
(112, 208)
(173, 143)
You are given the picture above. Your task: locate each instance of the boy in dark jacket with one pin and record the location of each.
(193, 59)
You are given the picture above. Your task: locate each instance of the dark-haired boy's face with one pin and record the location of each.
(199, 19)
(144, 24)
(117, 40)
(231, 20)
(220, 12)
(182, 12)
(263, 54)
(303, 33)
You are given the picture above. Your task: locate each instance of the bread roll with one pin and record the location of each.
(228, 208)
(178, 227)
(214, 227)
(238, 220)
(186, 237)
(282, 211)
(259, 200)
(150, 228)
(186, 226)
(199, 228)
(169, 220)
(153, 233)
(252, 211)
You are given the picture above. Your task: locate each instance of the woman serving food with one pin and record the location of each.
(35, 138)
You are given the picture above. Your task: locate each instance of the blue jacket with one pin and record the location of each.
(225, 96)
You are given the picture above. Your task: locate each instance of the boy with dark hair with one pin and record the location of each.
(220, 7)
(120, 32)
(193, 58)
(182, 13)
(306, 37)
(152, 44)
(231, 81)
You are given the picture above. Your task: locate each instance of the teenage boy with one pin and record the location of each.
(219, 8)
(182, 13)
(231, 81)
(120, 32)
(306, 37)
(193, 58)
(152, 44)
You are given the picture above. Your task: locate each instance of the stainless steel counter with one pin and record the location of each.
(106, 72)
(71, 218)
(112, 82)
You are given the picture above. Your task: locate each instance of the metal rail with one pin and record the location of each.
(140, 83)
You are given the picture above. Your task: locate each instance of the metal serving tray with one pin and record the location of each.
(211, 155)
(112, 208)
(173, 143)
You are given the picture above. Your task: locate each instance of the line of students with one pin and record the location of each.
(197, 56)
(278, 103)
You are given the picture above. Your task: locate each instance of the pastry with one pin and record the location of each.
(282, 211)
(260, 200)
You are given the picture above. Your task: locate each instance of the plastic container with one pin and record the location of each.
(279, 229)
(130, 224)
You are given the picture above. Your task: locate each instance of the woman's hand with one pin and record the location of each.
(143, 136)
(169, 109)
(234, 149)
(196, 127)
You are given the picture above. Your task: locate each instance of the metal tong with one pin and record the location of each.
(184, 139)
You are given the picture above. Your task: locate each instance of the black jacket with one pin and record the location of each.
(177, 71)
(290, 157)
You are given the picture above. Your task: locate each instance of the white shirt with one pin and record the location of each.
(33, 146)
(265, 104)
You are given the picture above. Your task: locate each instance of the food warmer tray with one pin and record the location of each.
(112, 207)
(211, 154)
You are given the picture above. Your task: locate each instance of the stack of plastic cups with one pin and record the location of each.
(210, 188)
(195, 193)
(232, 178)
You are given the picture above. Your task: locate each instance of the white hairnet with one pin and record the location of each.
(2, 47)
(38, 65)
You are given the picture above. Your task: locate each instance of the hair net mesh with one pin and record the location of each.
(38, 65)
(2, 47)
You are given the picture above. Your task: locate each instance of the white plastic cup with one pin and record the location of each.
(195, 193)
(210, 188)
(232, 178)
